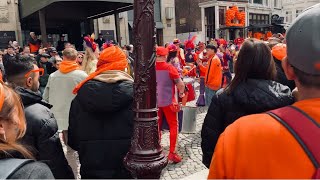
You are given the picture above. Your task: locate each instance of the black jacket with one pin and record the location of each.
(281, 76)
(48, 69)
(42, 136)
(32, 170)
(254, 96)
(100, 128)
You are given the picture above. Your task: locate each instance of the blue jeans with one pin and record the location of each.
(209, 93)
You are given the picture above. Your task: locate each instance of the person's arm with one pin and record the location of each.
(50, 149)
(181, 86)
(46, 91)
(73, 130)
(174, 75)
(212, 127)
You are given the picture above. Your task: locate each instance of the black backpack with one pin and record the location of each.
(9, 166)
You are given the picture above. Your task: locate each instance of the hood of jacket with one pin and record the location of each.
(29, 97)
(97, 96)
(262, 95)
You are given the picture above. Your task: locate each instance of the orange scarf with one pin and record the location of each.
(112, 58)
(68, 66)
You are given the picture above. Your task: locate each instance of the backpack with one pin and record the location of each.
(304, 129)
(9, 166)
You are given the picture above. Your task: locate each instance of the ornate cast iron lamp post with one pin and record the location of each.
(145, 159)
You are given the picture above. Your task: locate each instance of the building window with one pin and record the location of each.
(258, 2)
(298, 12)
(289, 16)
(222, 15)
(255, 19)
(210, 22)
(276, 3)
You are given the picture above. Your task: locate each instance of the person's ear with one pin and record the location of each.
(2, 131)
(29, 82)
(288, 69)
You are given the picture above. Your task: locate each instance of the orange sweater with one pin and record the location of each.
(257, 146)
(213, 78)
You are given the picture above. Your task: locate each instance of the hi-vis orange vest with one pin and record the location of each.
(259, 147)
(213, 77)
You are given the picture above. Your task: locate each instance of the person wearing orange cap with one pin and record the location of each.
(101, 118)
(279, 52)
(167, 78)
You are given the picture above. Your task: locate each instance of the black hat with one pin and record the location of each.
(53, 49)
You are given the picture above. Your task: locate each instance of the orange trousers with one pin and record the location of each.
(172, 120)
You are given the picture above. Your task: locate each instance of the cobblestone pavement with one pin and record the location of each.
(189, 147)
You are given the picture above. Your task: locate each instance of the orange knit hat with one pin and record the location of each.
(111, 58)
(279, 51)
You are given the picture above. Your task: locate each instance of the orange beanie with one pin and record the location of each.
(279, 51)
(111, 58)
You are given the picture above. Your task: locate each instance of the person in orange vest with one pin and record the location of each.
(213, 77)
(34, 43)
(283, 143)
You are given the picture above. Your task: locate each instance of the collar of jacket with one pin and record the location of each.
(29, 97)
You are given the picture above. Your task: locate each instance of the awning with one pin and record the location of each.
(257, 26)
(74, 9)
(159, 25)
(232, 27)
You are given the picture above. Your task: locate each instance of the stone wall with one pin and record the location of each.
(9, 20)
(188, 15)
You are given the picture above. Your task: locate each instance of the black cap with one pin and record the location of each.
(52, 49)
(211, 46)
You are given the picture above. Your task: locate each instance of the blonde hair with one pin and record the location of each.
(89, 56)
(12, 104)
(70, 54)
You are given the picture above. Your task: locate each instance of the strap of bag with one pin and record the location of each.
(305, 130)
(9, 166)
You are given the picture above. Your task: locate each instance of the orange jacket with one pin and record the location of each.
(34, 48)
(213, 78)
(259, 147)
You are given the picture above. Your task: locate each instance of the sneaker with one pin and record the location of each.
(175, 158)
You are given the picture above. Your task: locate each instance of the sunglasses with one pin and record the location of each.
(40, 70)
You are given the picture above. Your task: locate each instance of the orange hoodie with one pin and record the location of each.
(213, 78)
(259, 147)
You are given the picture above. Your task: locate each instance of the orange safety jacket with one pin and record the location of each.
(213, 76)
(259, 147)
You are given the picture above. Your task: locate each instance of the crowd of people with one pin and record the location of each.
(261, 123)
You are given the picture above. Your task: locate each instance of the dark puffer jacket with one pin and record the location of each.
(254, 96)
(100, 128)
(42, 136)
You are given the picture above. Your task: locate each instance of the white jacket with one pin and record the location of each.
(58, 93)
